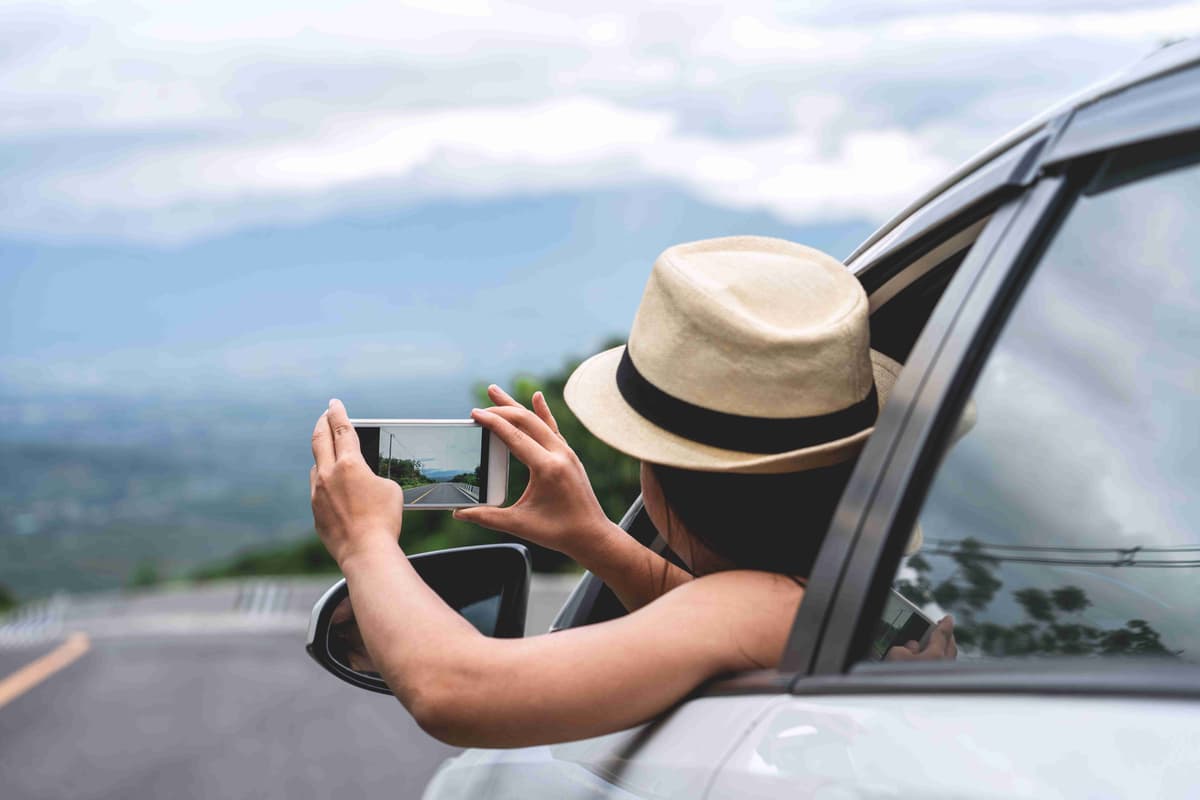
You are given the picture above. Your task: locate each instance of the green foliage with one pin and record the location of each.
(7, 599)
(1070, 599)
(145, 574)
(1036, 603)
(405, 471)
(306, 557)
(1052, 624)
(1136, 638)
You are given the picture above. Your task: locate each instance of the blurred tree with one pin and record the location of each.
(145, 574)
(405, 471)
(469, 478)
(7, 599)
(292, 558)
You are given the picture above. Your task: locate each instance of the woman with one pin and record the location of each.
(747, 390)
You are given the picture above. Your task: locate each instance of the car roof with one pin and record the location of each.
(1167, 59)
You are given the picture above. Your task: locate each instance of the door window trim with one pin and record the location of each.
(880, 502)
(962, 204)
(1165, 107)
(1066, 676)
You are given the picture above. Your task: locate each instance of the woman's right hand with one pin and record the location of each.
(558, 509)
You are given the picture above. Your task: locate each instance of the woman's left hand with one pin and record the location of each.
(940, 647)
(353, 508)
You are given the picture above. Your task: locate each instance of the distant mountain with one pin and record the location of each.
(443, 474)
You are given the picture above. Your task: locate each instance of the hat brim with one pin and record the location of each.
(592, 395)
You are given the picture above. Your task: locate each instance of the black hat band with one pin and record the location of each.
(734, 431)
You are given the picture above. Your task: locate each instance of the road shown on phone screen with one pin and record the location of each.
(433, 494)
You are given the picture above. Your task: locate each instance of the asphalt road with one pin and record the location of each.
(438, 494)
(239, 715)
(202, 692)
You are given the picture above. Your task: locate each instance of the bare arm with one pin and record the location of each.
(635, 573)
(472, 691)
(559, 510)
(468, 689)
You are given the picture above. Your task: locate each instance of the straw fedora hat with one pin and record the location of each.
(747, 354)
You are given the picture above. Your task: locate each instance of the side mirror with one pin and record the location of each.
(488, 585)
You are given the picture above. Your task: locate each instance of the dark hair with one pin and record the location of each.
(768, 522)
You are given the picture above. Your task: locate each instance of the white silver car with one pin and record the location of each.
(1051, 289)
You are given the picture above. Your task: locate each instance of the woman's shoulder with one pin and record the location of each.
(754, 608)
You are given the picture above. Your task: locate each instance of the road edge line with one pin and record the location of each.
(36, 671)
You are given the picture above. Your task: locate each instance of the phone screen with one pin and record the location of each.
(438, 465)
(902, 622)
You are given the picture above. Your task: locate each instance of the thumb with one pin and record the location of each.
(498, 519)
(939, 640)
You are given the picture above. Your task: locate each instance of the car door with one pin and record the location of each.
(1062, 531)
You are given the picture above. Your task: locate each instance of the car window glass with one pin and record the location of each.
(1065, 518)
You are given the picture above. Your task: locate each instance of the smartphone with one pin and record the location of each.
(440, 463)
(902, 622)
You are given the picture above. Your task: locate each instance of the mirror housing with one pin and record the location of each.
(487, 584)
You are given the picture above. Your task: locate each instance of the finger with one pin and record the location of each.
(501, 397)
(519, 443)
(322, 442)
(345, 438)
(497, 519)
(952, 649)
(312, 482)
(939, 639)
(542, 409)
(531, 424)
(912, 646)
(898, 654)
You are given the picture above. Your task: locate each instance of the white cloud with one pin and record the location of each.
(173, 121)
(294, 361)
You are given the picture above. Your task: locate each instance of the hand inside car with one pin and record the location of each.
(558, 509)
(940, 647)
(352, 507)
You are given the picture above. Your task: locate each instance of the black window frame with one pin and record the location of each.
(885, 491)
(903, 474)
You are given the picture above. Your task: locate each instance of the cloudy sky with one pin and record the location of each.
(218, 194)
(437, 448)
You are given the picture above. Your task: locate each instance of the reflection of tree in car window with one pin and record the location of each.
(1053, 620)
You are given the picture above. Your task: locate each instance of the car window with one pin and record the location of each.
(1064, 519)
